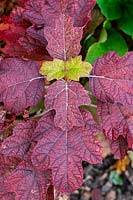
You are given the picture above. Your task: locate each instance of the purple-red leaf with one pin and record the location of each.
(22, 39)
(63, 151)
(116, 121)
(27, 183)
(21, 85)
(113, 78)
(64, 39)
(7, 165)
(65, 98)
(81, 11)
(19, 142)
(119, 147)
(8, 196)
(33, 11)
(45, 12)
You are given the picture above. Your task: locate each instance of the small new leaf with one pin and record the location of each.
(72, 69)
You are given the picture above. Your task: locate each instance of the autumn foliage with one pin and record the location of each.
(39, 153)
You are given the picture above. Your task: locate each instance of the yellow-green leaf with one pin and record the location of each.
(53, 69)
(77, 68)
(72, 69)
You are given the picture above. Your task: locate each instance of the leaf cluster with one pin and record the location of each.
(45, 149)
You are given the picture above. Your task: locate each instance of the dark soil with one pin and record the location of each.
(97, 186)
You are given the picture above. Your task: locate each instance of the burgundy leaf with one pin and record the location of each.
(19, 40)
(81, 11)
(65, 98)
(63, 151)
(116, 121)
(119, 147)
(27, 183)
(7, 165)
(37, 33)
(18, 144)
(45, 126)
(113, 78)
(21, 84)
(45, 12)
(50, 193)
(21, 2)
(33, 11)
(7, 196)
(21, 44)
(16, 18)
(64, 39)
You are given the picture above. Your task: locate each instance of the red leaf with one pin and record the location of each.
(65, 98)
(7, 165)
(8, 196)
(117, 123)
(37, 33)
(18, 144)
(45, 12)
(33, 12)
(119, 147)
(27, 183)
(21, 40)
(21, 84)
(113, 81)
(81, 11)
(64, 39)
(64, 151)
(72, 8)
(21, 44)
(16, 18)
(21, 2)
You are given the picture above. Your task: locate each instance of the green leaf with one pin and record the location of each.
(115, 178)
(53, 69)
(114, 42)
(122, 10)
(72, 69)
(111, 8)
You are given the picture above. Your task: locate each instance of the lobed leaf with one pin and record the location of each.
(65, 98)
(8, 196)
(19, 142)
(45, 12)
(22, 39)
(27, 183)
(63, 39)
(116, 121)
(64, 150)
(117, 124)
(112, 78)
(119, 147)
(81, 11)
(20, 84)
